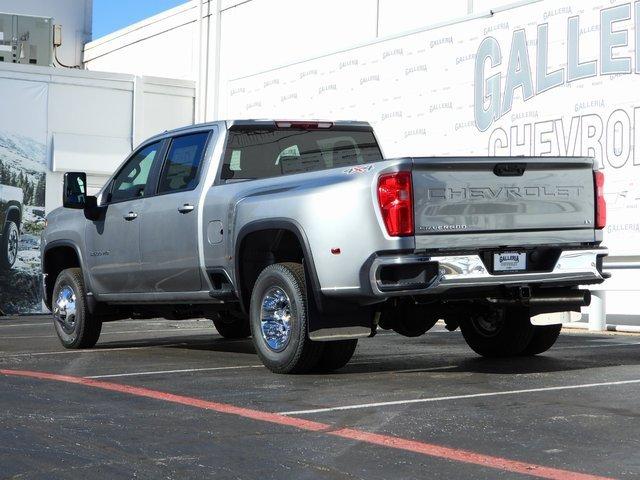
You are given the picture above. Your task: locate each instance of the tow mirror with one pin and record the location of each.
(74, 192)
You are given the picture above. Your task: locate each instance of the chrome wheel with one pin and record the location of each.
(64, 309)
(275, 319)
(12, 244)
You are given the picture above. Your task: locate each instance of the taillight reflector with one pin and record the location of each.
(396, 203)
(600, 203)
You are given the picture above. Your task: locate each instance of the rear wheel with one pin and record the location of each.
(498, 332)
(278, 318)
(75, 326)
(232, 325)
(9, 245)
(544, 337)
(336, 355)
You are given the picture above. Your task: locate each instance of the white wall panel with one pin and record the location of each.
(398, 16)
(263, 34)
(163, 112)
(108, 110)
(167, 55)
(165, 45)
(91, 154)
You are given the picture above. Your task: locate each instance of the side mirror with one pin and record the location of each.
(74, 192)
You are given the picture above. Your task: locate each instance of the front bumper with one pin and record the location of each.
(443, 273)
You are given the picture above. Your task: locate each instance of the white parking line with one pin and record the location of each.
(95, 350)
(186, 370)
(25, 324)
(131, 322)
(602, 345)
(457, 397)
(211, 329)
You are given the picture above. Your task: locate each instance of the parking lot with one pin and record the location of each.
(164, 399)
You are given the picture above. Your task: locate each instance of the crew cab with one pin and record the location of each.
(302, 235)
(11, 199)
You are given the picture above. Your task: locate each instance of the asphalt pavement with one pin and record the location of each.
(166, 399)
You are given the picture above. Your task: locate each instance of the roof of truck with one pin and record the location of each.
(257, 123)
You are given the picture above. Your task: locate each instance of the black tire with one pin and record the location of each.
(298, 354)
(544, 337)
(336, 355)
(76, 328)
(498, 332)
(408, 319)
(9, 245)
(232, 325)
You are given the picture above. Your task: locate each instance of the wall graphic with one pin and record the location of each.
(23, 136)
(558, 77)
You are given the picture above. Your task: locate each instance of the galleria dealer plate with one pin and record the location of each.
(509, 261)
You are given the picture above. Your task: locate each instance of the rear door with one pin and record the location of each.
(470, 196)
(113, 243)
(169, 229)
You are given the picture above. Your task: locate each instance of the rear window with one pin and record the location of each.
(262, 153)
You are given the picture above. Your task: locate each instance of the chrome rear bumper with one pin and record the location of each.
(464, 271)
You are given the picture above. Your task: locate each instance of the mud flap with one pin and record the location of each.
(337, 319)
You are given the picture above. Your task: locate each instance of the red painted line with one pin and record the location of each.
(430, 449)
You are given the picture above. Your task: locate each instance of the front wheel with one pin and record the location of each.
(9, 245)
(75, 326)
(498, 332)
(278, 318)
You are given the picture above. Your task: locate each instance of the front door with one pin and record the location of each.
(113, 242)
(169, 229)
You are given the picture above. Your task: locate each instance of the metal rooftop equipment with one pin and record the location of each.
(26, 39)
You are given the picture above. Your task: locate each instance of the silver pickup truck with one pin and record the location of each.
(302, 235)
(10, 219)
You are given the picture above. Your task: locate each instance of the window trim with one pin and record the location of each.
(151, 180)
(165, 159)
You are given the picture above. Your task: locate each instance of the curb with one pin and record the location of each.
(610, 327)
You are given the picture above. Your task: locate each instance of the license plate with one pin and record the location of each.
(509, 261)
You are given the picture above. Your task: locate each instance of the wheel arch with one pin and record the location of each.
(59, 255)
(14, 214)
(287, 225)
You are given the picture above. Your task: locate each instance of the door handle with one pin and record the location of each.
(130, 216)
(186, 208)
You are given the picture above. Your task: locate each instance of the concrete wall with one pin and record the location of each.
(164, 45)
(95, 119)
(75, 16)
(257, 35)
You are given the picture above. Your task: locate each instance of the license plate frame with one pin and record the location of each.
(506, 262)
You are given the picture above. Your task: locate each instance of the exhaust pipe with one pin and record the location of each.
(566, 298)
(578, 298)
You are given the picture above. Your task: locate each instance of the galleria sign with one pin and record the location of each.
(492, 101)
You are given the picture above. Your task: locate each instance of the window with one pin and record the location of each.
(131, 181)
(180, 170)
(253, 152)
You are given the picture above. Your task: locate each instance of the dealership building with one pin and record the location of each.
(465, 77)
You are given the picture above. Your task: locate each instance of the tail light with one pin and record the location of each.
(396, 203)
(600, 203)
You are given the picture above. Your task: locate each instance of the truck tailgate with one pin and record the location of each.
(471, 196)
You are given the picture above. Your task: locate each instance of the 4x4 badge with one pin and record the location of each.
(358, 169)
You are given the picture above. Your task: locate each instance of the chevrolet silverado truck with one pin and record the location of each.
(10, 219)
(305, 237)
